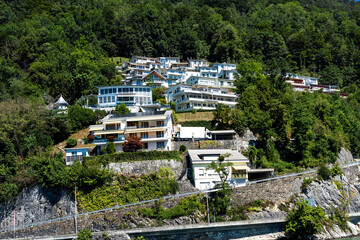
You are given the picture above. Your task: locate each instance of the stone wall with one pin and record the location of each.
(239, 143)
(145, 167)
(276, 191)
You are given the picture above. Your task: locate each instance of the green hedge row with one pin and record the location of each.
(139, 156)
(206, 124)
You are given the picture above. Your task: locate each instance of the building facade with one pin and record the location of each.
(110, 96)
(205, 178)
(154, 128)
(73, 154)
(189, 97)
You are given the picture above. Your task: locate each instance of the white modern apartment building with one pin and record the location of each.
(154, 128)
(189, 97)
(110, 96)
(205, 178)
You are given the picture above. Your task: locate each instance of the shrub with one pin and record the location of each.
(110, 148)
(306, 182)
(304, 221)
(324, 173)
(111, 138)
(336, 170)
(71, 142)
(91, 138)
(132, 144)
(257, 203)
(182, 148)
(86, 141)
(84, 234)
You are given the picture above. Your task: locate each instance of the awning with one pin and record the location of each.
(108, 132)
(240, 167)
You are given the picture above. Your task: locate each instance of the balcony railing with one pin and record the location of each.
(70, 159)
(102, 140)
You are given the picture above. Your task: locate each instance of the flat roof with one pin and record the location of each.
(223, 132)
(136, 86)
(138, 114)
(196, 155)
(260, 170)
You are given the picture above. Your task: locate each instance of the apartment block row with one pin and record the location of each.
(311, 84)
(168, 71)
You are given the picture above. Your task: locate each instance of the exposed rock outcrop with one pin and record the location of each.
(35, 204)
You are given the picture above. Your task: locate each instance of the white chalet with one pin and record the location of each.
(207, 178)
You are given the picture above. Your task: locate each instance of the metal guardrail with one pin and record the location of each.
(156, 199)
(103, 210)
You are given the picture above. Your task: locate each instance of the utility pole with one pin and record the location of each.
(75, 212)
(14, 225)
(207, 207)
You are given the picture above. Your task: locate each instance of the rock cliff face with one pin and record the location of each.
(35, 204)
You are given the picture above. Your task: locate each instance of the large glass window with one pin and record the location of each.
(113, 98)
(125, 90)
(144, 135)
(100, 99)
(102, 91)
(159, 134)
(110, 90)
(159, 123)
(114, 90)
(106, 91)
(145, 124)
(119, 90)
(160, 145)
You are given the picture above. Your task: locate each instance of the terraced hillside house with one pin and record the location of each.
(189, 97)
(204, 178)
(154, 128)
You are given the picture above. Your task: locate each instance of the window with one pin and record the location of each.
(100, 99)
(145, 124)
(102, 91)
(105, 99)
(133, 134)
(160, 145)
(125, 90)
(137, 89)
(146, 146)
(144, 135)
(119, 90)
(131, 89)
(106, 91)
(201, 172)
(159, 134)
(114, 90)
(109, 98)
(110, 90)
(132, 124)
(113, 98)
(159, 123)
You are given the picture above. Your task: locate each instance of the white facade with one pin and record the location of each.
(196, 63)
(207, 178)
(110, 96)
(193, 133)
(154, 128)
(189, 97)
(73, 154)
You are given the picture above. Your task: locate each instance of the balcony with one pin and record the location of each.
(70, 159)
(102, 140)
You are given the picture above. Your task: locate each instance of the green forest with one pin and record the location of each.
(64, 47)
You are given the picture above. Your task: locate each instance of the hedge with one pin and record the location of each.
(206, 124)
(139, 156)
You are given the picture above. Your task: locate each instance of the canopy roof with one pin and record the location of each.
(61, 101)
